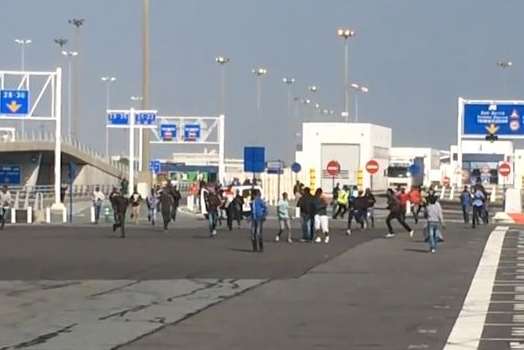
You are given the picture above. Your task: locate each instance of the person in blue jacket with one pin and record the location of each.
(258, 216)
(466, 203)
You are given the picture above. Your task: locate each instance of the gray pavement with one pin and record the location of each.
(82, 287)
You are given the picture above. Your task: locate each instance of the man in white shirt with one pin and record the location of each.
(98, 199)
(5, 204)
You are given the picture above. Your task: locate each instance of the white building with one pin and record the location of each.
(350, 144)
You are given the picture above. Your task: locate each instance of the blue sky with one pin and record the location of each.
(415, 56)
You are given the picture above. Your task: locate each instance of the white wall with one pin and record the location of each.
(367, 136)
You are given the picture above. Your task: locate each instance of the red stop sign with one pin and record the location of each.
(372, 166)
(333, 168)
(504, 169)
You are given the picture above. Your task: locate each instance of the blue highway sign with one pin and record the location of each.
(154, 166)
(145, 118)
(10, 174)
(191, 132)
(499, 119)
(254, 159)
(118, 118)
(14, 102)
(168, 132)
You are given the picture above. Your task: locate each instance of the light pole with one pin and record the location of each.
(69, 55)
(108, 81)
(346, 33)
(222, 61)
(259, 73)
(312, 88)
(76, 23)
(358, 89)
(61, 42)
(505, 65)
(139, 100)
(289, 83)
(145, 134)
(23, 43)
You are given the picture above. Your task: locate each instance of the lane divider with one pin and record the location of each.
(468, 327)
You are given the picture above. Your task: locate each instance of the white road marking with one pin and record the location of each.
(467, 331)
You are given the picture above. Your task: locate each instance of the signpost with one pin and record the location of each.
(333, 169)
(296, 167)
(168, 132)
(254, 160)
(191, 132)
(276, 167)
(372, 168)
(14, 102)
(154, 166)
(504, 169)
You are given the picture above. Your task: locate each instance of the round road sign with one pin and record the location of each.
(372, 166)
(504, 169)
(295, 167)
(333, 168)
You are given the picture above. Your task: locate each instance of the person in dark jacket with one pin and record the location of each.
(166, 205)
(238, 204)
(175, 193)
(395, 212)
(305, 204)
(371, 206)
(465, 203)
(320, 216)
(120, 204)
(358, 210)
(213, 204)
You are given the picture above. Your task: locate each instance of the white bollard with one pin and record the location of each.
(64, 216)
(408, 208)
(297, 212)
(13, 215)
(443, 192)
(452, 193)
(92, 214)
(29, 215)
(48, 215)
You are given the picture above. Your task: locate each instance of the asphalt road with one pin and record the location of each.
(184, 290)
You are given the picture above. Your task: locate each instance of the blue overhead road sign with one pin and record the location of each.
(504, 119)
(191, 132)
(154, 166)
(168, 132)
(145, 118)
(118, 118)
(254, 159)
(14, 102)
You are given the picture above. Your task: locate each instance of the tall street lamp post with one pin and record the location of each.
(222, 61)
(69, 55)
(346, 33)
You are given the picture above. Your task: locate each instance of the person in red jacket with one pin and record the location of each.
(415, 199)
(403, 198)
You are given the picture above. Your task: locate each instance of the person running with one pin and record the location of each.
(212, 206)
(371, 206)
(283, 218)
(395, 212)
(5, 205)
(305, 204)
(320, 204)
(175, 193)
(435, 221)
(114, 192)
(336, 191)
(166, 206)
(342, 202)
(238, 204)
(152, 206)
(358, 211)
(120, 204)
(478, 205)
(415, 200)
(135, 200)
(465, 204)
(258, 216)
(124, 186)
(98, 199)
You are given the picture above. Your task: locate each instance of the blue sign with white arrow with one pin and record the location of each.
(154, 166)
(14, 102)
(497, 119)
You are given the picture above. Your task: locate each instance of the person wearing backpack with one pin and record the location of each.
(258, 216)
(213, 204)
